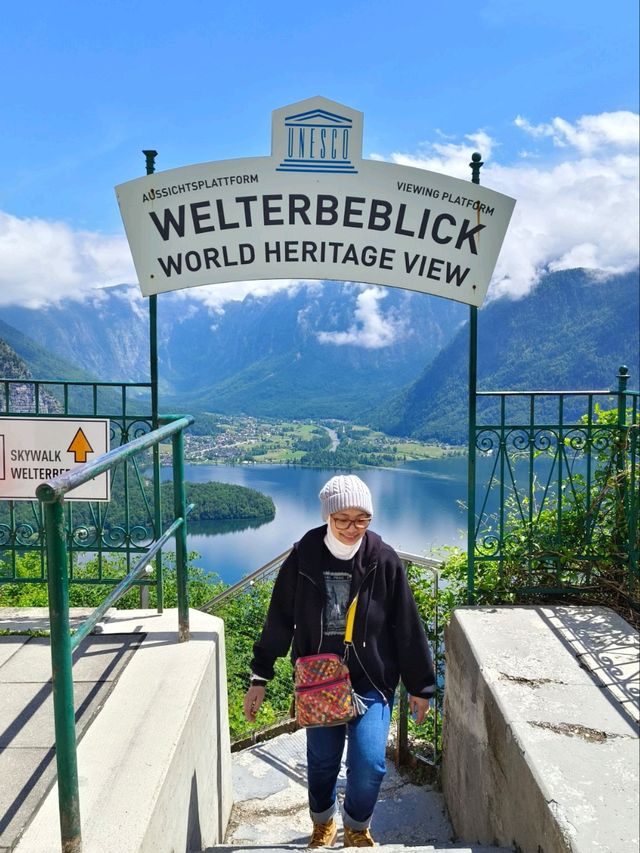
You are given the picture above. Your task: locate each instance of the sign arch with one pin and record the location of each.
(314, 209)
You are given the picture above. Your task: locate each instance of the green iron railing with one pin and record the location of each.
(51, 496)
(557, 492)
(127, 525)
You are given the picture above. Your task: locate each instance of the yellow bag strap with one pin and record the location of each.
(351, 616)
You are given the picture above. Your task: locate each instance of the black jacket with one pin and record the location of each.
(389, 642)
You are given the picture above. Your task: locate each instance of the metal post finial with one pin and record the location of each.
(623, 378)
(150, 156)
(476, 164)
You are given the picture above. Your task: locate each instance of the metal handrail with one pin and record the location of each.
(248, 580)
(414, 559)
(52, 490)
(126, 583)
(81, 382)
(598, 393)
(51, 496)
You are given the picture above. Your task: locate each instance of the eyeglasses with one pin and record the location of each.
(342, 523)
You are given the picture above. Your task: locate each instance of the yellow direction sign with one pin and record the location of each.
(33, 450)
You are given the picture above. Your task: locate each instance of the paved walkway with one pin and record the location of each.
(271, 808)
(27, 758)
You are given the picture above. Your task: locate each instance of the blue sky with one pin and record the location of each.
(548, 91)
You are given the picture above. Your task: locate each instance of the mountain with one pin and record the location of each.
(386, 357)
(11, 365)
(43, 363)
(105, 337)
(571, 332)
(21, 397)
(320, 350)
(327, 351)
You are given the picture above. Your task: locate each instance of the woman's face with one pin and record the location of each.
(349, 525)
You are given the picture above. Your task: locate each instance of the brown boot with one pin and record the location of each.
(324, 834)
(358, 838)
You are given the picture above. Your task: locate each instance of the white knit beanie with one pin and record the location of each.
(345, 492)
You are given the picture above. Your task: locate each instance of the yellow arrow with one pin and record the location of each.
(80, 446)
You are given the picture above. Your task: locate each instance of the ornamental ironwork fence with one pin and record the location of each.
(557, 493)
(103, 539)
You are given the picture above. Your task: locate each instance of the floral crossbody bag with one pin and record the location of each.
(324, 695)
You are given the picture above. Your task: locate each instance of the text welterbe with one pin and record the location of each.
(323, 210)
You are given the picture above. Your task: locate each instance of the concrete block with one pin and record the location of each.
(155, 765)
(538, 750)
(28, 712)
(98, 658)
(26, 774)
(8, 647)
(37, 618)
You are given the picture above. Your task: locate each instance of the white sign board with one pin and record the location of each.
(33, 450)
(314, 210)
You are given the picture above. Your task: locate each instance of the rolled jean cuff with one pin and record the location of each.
(325, 816)
(347, 820)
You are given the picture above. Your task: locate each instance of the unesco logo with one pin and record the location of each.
(317, 141)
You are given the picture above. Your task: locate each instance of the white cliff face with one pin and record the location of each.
(22, 396)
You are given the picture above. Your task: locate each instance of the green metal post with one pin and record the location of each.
(476, 164)
(623, 495)
(471, 460)
(62, 679)
(623, 378)
(180, 511)
(633, 493)
(150, 165)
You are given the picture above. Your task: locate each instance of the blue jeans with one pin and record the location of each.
(366, 765)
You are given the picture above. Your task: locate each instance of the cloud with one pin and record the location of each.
(215, 296)
(579, 210)
(448, 157)
(371, 329)
(43, 262)
(576, 186)
(589, 133)
(579, 213)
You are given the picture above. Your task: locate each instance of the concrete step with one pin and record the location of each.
(27, 754)
(271, 813)
(383, 848)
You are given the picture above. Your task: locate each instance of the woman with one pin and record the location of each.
(326, 569)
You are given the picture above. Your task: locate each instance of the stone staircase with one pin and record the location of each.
(270, 806)
(384, 848)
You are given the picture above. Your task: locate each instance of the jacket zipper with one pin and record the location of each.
(373, 568)
(364, 641)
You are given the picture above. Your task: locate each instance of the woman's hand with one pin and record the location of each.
(419, 708)
(253, 698)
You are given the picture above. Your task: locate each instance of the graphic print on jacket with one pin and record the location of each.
(336, 602)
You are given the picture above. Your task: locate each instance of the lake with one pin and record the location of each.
(415, 509)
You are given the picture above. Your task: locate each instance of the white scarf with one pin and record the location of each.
(339, 550)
